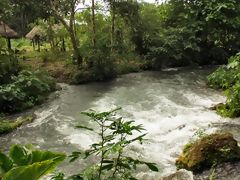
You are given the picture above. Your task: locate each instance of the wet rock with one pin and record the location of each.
(225, 171)
(179, 175)
(215, 107)
(207, 151)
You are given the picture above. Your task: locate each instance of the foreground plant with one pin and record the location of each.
(26, 163)
(116, 135)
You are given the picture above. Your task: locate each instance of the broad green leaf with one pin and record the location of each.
(38, 156)
(20, 155)
(5, 164)
(32, 172)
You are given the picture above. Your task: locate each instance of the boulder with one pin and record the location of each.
(208, 151)
(179, 175)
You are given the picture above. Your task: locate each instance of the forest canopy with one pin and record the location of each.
(174, 33)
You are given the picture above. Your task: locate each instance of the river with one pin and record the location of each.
(172, 105)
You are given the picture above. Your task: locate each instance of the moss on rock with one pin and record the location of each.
(7, 126)
(207, 151)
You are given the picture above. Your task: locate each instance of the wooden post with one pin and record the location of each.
(9, 43)
(63, 45)
(33, 44)
(38, 43)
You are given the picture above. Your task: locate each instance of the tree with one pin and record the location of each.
(5, 9)
(214, 25)
(19, 14)
(93, 23)
(65, 11)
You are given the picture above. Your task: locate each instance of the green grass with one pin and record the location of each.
(7, 126)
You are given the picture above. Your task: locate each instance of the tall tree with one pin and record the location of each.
(113, 18)
(5, 9)
(23, 13)
(93, 23)
(65, 11)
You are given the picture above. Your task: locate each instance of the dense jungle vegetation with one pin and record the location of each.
(47, 41)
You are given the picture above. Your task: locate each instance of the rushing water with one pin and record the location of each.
(172, 105)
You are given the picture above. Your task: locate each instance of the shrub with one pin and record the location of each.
(82, 76)
(101, 66)
(227, 77)
(27, 89)
(104, 67)
(53, 55)
(8, 66)
(232, 106)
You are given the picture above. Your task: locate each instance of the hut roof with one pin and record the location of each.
(6, 31)
(36, 31)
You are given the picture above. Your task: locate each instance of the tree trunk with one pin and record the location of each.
(37, 39)
(113, 25)
(93, 24)
(71, 29)
(63, 45)
(75, 46)
(33, 44)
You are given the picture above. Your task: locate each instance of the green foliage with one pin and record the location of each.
(174, 33)
(24, 162)
(53, 55)
(232, 106)
(222, 78)
(26, 90)
(8, 66)
(227, 77)
(100, 66)
(116, 135)
(181, 32)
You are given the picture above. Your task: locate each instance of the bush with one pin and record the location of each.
(82, 76)
(8, 66)
(27, 89)
(222, 78)
(53, 55)
(227, 77)
(104, 67)
(232, 106)
(100, 66)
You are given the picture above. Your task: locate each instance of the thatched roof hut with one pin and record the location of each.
(6, 31)
(37, 31)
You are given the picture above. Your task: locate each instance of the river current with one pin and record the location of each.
(172, 105)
